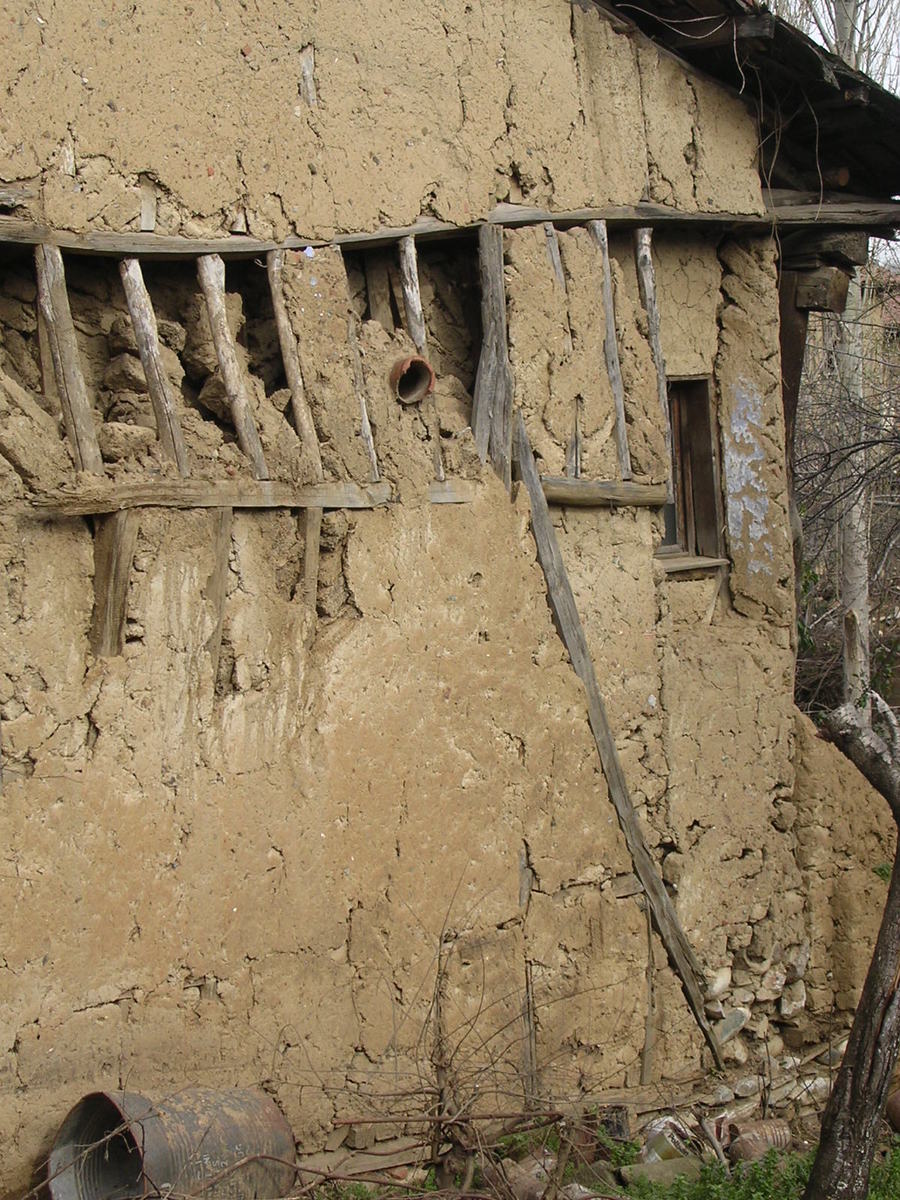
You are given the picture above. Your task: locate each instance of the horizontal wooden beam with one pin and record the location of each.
(787, 208)
(707, 33)
(198, 493)
(822, 290)
(594, 493)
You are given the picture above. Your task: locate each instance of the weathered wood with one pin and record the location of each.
(647, 286)
(593, 493)
(311, 454)
(308, 75)
(492, 401)
(708, 33)
(312, 536)
(148, 205)
(453, 491)
(378, 288)
(568, 621)
(198, 493)
(13, 194)
(115, 538)
(554, 254)
(791, 208)
(359, 385)
(675, 564)
(822, 290)
(805, 250)
(78, 415)
(216, 585)
(146, 334)
(211, 273)
(599, 233)
(412, 300)
(48, 374)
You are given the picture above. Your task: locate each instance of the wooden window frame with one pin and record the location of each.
(695, 523)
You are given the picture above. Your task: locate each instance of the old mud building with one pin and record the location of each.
(292, 740)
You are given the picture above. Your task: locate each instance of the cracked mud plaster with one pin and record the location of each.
(417, 111)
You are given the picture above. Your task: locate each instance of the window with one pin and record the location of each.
(694, 522)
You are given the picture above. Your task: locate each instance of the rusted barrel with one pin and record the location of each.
(200, 1142)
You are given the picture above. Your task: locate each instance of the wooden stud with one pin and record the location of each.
(492, 401)
(78, 415)
(146, 334)
(303, 418)
(568, 621)
(115, 538)
(308, 75)
(211, 273)
(412, 300)
(198, 493)
(647, 285)
(553, 251)
(822, 290)
(359, 385)
(600, 235)
(216, 584)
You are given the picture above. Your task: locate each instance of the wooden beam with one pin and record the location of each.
(492, 400)
(199, 493)
(599, 233)
(844, 248)
(378, 289)
(708, 33)
(596, 493)
(568, 621)
(115, 538)
(453, 491)
(647, 287)
(791, 209)
(146, 334)
(211, 273)
(822, 290)
(554, 254)
(78, 414)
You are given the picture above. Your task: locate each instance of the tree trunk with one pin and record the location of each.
(855, 513)
(852, 1116)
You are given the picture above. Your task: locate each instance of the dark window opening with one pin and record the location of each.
(694, 521)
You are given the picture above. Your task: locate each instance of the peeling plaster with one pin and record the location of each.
(746, 497)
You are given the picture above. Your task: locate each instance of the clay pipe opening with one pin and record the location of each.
(412, 379)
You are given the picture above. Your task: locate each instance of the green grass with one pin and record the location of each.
(775, 1177)
(883, 871)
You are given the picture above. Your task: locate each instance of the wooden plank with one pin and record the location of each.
(191, 493)
(211, 273)
(598, 232)
(453, 491)
(675, 564)
(115, 538)
(412, 300)
(78, 415)
(647, 286)
(216, 584)
(492, 401)
(359, 385)
(593, 493)
(146, 334)
(568, 621)
(311, 455)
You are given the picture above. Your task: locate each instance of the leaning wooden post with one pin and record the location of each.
(611, 349)
(492, 400)
(303, 421)
(647, 285)
(415, 320)
(78, 415)
(568, 621)
(146, 334)
(211, 273)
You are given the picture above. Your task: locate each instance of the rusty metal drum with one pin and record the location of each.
(230, 1144)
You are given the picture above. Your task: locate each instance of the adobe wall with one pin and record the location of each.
(250, 848)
